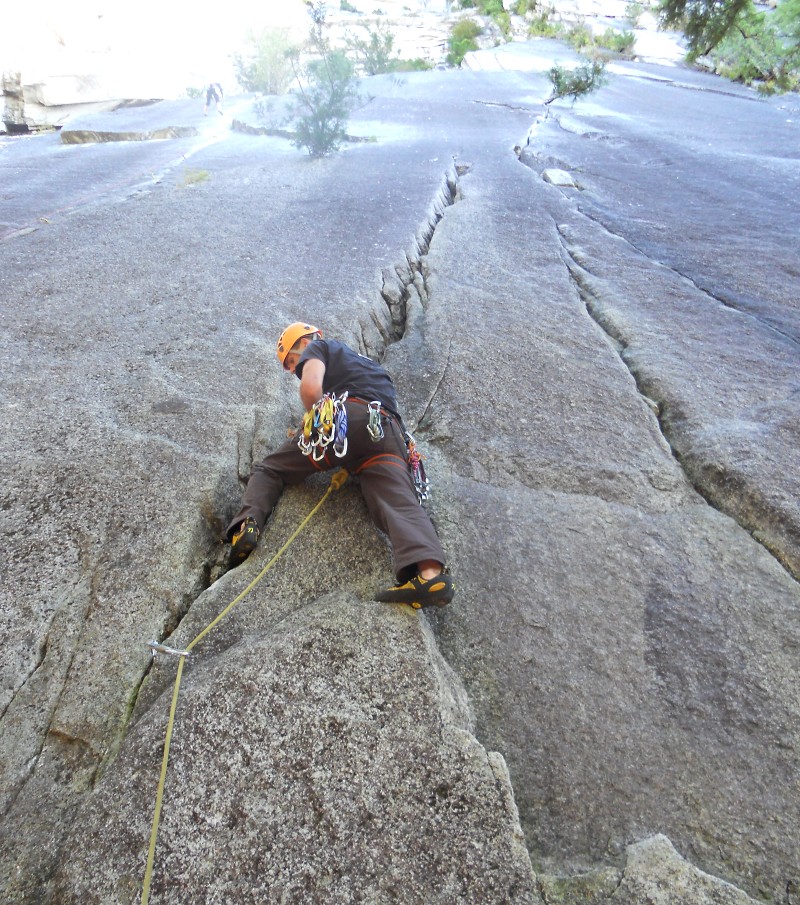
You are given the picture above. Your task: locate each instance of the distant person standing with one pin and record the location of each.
(213, 93)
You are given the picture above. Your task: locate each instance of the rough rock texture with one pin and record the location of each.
(628, 649)
(617, 595)
(653, 873)
(361, 781)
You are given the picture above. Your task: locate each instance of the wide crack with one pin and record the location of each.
(410, 276)
(399, 284)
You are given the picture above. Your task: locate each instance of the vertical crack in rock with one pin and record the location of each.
(51, 734)
(588, 296)
(210, 568)
(399, 284)
(409, 277)
(55, 659)
(439, 382)
(41, 654)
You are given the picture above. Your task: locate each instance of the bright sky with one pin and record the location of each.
(182, 40)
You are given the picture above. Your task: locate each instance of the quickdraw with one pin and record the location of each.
(324, 423)
(375, 428)
(340, 422)
(421, 483)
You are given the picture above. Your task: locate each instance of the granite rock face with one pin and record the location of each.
(615, 603)
(302, 770)
(607, 713)
(653, 872)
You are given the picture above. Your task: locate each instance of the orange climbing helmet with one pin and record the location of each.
(290, 336)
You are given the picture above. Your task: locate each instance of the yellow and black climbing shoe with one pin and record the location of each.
(244, 541)
(419, 593)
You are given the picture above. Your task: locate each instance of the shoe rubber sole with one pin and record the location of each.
(419, 593)
(244, 541)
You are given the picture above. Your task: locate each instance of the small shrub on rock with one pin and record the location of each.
(580, 36)
(327, 95)
(633, 12)
(418, 64)
(616, 41)
(372, 52)
(326, 90)
(585, 78)
(462, 40)
(542, 24)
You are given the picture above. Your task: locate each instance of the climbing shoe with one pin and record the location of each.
(419, 593)
(244, 541)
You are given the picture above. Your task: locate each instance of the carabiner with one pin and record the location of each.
(340, 443)
(375, 428)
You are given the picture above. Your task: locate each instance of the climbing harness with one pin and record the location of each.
(375, 428)
(337, 480)
(324, 423)
(422, 485)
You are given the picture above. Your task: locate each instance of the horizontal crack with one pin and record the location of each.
(515, 107)
(727, 303)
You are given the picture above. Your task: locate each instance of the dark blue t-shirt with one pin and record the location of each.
(347, 370)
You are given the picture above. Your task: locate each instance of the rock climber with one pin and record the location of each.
(213, 95)
(376, 452)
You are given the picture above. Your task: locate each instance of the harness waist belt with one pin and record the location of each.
(383, 410)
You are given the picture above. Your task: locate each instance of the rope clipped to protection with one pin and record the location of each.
(337, 480)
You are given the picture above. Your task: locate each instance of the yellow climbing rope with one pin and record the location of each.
(337, 480)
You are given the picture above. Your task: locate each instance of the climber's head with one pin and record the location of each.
(292, 342)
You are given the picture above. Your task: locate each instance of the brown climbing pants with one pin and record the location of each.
(386, 484)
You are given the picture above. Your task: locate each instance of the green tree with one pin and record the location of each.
(265, 69)
(326, 91)
(787, 21)
(745, 44)
(763, 48)
(704, 22)
(788, 14)
(585, 78)
(373, 52)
